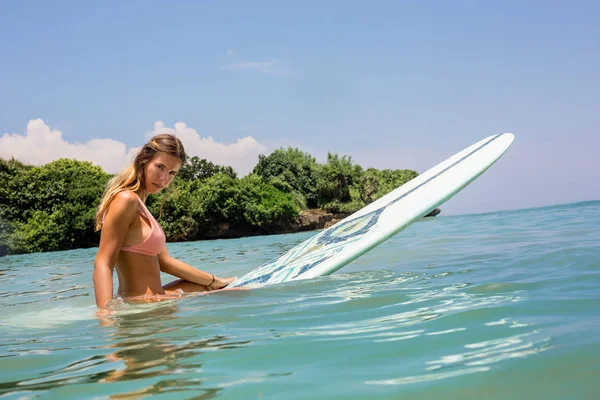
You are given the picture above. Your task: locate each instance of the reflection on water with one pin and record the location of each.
(141, 352)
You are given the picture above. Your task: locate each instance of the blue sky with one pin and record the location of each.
(393, 84)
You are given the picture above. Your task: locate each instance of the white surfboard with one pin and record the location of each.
(332, 248)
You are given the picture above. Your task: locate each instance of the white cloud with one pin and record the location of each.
(271, 67)
(40, 144)
(241, 155)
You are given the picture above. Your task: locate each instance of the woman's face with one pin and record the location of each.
(160, 171)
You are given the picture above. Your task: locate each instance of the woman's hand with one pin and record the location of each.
(104, 316)
(104, 312)
(220, 283)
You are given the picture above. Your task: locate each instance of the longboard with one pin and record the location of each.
(332, 248)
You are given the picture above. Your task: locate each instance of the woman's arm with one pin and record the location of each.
(123, 209)
(185, 271)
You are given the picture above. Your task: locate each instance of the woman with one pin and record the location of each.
(132, 241)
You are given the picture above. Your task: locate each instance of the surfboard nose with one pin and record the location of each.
(510, 137)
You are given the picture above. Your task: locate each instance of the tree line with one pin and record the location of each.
(52, 207)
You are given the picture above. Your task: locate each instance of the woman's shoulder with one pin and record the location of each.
(126, 196)
(125, 201)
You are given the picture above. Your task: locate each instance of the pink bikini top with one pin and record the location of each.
(155, 242)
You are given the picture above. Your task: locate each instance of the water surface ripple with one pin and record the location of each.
(496, 306)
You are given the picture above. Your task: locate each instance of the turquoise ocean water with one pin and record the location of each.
(502, 305)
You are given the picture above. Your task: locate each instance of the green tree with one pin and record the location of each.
(336, 177)
(51, 207)
(247, 201)
(11, 172)
(292, 171)
(196, 168)
(265, 205)
(179, 210)
(369, 185)
(194, 209)
(397, 177)
(375, 184)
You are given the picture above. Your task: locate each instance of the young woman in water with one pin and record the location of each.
(132, 240)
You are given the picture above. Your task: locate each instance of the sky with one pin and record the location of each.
(392, 84)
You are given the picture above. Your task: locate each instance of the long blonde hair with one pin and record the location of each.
(132, 177)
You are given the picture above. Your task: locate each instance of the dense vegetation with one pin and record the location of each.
(52, 207)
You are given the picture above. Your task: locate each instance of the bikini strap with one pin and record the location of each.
(142, 207)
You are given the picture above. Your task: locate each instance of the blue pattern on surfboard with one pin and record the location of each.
(310, 266)
(337, 235)
(263, 278)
